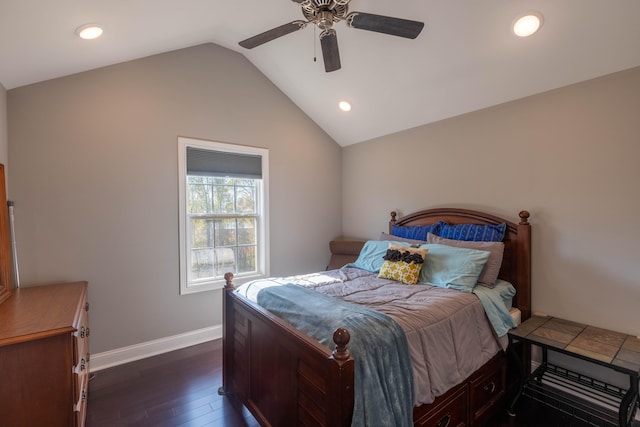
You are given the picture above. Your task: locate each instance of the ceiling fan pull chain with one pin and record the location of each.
(315, 44)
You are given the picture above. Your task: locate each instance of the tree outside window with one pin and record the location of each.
(224, 226)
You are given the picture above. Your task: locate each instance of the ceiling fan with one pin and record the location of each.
(324, 13)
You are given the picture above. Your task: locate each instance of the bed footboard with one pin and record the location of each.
(281, 376)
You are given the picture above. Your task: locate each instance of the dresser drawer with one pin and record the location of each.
(486, 389)
(451, 413)
(80, 383)
(80, 407)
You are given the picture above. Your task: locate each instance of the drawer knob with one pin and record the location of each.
(490, 388)
(444, 421)
(82, 364)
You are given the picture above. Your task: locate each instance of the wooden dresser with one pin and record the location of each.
(44, 356)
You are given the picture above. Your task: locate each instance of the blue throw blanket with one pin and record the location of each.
(383, 374)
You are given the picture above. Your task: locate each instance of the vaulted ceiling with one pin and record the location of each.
(465, 59)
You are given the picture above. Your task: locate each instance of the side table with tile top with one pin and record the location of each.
(588, 399)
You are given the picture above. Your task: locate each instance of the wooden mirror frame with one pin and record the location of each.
(6, 285)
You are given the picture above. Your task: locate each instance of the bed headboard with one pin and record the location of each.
(516, 261)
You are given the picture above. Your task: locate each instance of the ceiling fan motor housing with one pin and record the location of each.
(324, 13)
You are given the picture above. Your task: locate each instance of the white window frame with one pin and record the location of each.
(262, 262)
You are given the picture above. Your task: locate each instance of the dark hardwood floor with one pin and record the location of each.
(180, 388)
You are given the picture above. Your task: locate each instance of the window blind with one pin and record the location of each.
(220, 163)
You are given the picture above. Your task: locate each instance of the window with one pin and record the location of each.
(223, 213)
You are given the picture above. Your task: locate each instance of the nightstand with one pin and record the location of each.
(581, 396)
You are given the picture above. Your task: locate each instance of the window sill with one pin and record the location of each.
(218, 284)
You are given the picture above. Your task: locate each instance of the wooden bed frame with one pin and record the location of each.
(286, 378)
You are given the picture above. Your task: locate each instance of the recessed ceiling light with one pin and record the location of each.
(344, 106)
(527, 25)
(89, 31)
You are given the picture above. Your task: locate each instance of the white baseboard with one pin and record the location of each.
(122, 355)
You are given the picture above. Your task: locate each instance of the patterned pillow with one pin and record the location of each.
(472, 232)
(403, 264)
(418, 232)
(387, 236)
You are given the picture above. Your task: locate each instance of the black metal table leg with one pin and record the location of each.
(511, 411)
(539, 372)
(629, 404)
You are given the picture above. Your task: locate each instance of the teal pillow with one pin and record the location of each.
(372, 253)
(452, 267)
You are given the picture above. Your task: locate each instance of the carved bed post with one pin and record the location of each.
(228, 278)
(524, 281)
(341, 376)
(227, 325)
(393, 220)
(524, 263)
(341, 338)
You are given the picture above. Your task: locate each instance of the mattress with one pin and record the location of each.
(516, 315)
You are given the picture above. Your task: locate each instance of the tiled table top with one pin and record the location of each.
(609, 347)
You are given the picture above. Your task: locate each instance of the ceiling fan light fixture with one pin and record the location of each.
(528, 24)
(89, 31)
(345, 106)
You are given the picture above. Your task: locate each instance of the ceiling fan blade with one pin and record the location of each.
(385, 24)
(272, 34)
(330, 52)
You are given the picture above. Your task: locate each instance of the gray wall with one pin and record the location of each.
(94, 178)
(569, 156)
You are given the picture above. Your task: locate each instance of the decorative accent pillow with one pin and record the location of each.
(489, 273)
(370, 257)
(402, 264)
(418, 232)
(472, 232)
(389, 237)
(451, 267)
